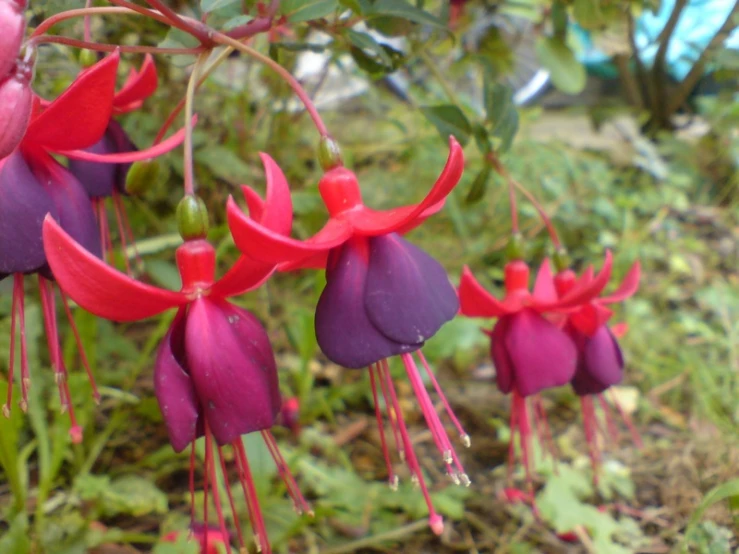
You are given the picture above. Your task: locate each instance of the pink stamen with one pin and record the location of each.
(301, 505)
(105, 237)
(383, 378)
(206, 474)
(80, 348)
(25, 375)
(627, 420)
(128, 231)
(436, 522)
(590, 426)
(192, 484)
(392, 478)
(524, 436)
(543, 430)
(610, 422)
(250, 493)
(97, 206)
(231, 502)
(117, 208)
(11, 361)
(463, 436)
(52, 339)
(513, 425)
(216, 492)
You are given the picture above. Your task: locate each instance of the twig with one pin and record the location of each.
(393, 535)
(659, 75)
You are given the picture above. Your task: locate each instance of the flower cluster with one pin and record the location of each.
(554, 335)
(215, 373)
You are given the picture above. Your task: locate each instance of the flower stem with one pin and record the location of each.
(301, 93)
(100, 47)
(189, 100)
(86, 12)
(181, 104)
(176, 21)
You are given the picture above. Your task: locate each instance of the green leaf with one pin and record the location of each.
(9, 449)
(481, 139)
(298, 11)
(567, 73)
(479, 186)
(403, 9)
(353, 5)
(368, 45)
(224, 163)
(501, 113)
(128, 495)
(16, 539)
(212, 5)
(727, 490)
(449, 120)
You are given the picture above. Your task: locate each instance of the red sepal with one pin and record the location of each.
(628, 286)
(97, 287)
(265, 245)
(475, 301)
(244, 275)
(366, 221)
(79, 116)
(129, 157)
(138, 86)
(544, 290)
(586, 289)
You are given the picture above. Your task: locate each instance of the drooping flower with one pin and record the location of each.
(600, 362)
(33, 184)
(215, 374)
(12, 31)
(16, 100)
(383, 297)
(108, 180)
(531, 353)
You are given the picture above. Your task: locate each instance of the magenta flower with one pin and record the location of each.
(12, 31)
(600, 362)
(33, 184)
(531, 353)
(215, 374)
(16, 101)
(383, 297)
(108, 180)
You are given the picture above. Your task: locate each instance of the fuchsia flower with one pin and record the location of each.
(210, 538)
(600, 363)
(33, 184)
(215, 373)
(383, 296)
(108, 180)
(12, 31)
(530, 350)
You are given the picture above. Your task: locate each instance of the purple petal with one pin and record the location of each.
(499, 354)
(543, 356)
(102, 179)
(23, 205)
(408, 296)
(601, 363)
(73, 206)
(233, 368)
(174, 388)
(344, 332)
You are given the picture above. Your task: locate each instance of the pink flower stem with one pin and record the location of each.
(88, 23)
(189, 101)
(87, 12)
(99, 47)
(300, 92)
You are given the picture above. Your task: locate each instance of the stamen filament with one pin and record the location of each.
(392, 478)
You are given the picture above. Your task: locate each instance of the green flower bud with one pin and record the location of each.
(329, 153)
(141, 176)
(561, 259)
(516, 248)
(192, 218)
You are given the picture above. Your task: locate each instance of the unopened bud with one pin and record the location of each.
(16, 100)
(12, 31)
(561, 259)
(329, 153)
(516, 249)
(192, 218)
(141, 176)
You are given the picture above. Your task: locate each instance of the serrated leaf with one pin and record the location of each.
(449, 120)
(567, 73)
